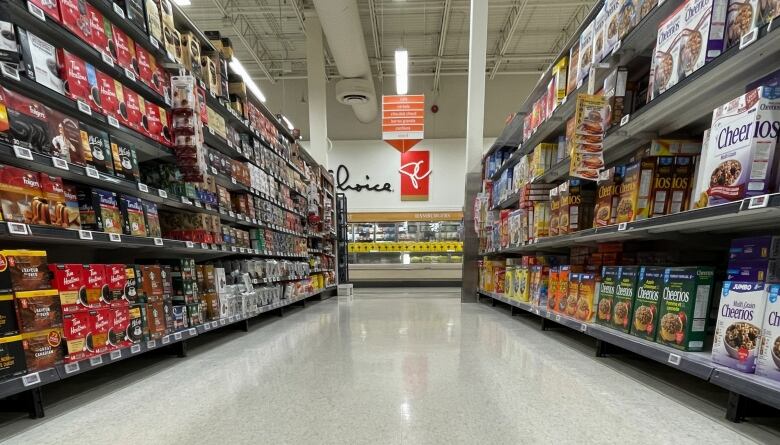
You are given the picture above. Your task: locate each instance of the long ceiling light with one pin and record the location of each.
(290, 125)
(183, 2)
(401, 71)
(237, 68)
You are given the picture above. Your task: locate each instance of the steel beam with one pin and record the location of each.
(445, 24)
(375, 33)
(507, 32)
(245, 31)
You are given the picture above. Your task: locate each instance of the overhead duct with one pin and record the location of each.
(340, 22)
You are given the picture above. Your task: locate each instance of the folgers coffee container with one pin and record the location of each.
(96, 284)
(11, 357)
(21, 196)
(54, 198)
(120, 325)
(683, 307)
(625, 290)
(76, 330)
(609, 277)
(23, 270)
(38, 310)
(43, 349)
(116, 276)
(69, 281)
(646, 303)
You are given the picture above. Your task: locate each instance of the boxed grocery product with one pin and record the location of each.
(191, 53)
(8, 324)
(125, 161)
(568, 303)
(574, 65)
(754, 270)
(9, 47)
(768, 360)
(609, 277)
(100, 322)
(625, 291)
(49, 7)
(37, 310)
(646, 302)
(754, 248)
(665, 66)
(607, 197)
(25, 270)
(155, 319)
(682, 179)
(125, 48)
(134, 222)
(703, 37)
(737, 160)
(152, 282)
(559, 72)
(69, 280)
(43, 349)
(615, 94)
(40, 60)
(586, 297)
(152, 219)
(738, 329)
(72, 206)
(116, 279)
(65, 142)
(136, 109)
(12, 362)
(29, 122)
(683, 307)
(21, 196)
(671, 147)
(96, 285)
(172, 39)
(100, 28)
(76, 332)
(53, 196)
(153, 21)
(586, 52)
(134, 12)
(107, 91)
(145, 69)
(660, 190)
(96, 149)
(599, 28)
(628, 191)
(75, 18)
(612, 13)
(137, 329)
(73, 72)
(576, 211)
(118, 334)
(99, 210)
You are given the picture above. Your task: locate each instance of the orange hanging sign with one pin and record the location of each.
(403, 120)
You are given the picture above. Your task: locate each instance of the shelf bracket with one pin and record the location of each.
(30, 401)
(180, 348)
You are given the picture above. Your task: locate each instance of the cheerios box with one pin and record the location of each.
(738, 158)
(738, 329)
(683, 307)
(768, 360)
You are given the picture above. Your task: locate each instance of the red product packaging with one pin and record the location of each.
(163, 83)
(117, 284)
(154, 125)
(68, 279)
(76, 330)
(204, 114)
(74, 17)
(54, 197)
(155, 318)
(120, 322)
(121, 104)
(49, 7)
(134, 113)
(96, 286)
(73, 72)
(166, 121)
(100, 324)
(125, 48)
(145, 68)
(102, 37)
(107, 90)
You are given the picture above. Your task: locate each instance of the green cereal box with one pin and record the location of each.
(609, 276)
(646, 302)
(683, 308)
(623, 305)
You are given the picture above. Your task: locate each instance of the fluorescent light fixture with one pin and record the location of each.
(290, 125)
(236, 66)
(183, 2)
(401, 71)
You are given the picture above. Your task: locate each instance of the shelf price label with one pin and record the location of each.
(231, 213)
(186, 200)
(84, 107)
(622, 227)
(162, 193)
(143, 187)
(36, 11)
(214, 324)
(758, 202)
(154, 42)
(207, 326)
(15, 228)
(624, 119)
(674, 359)
(70, 368)
(177, 335)
(23, 153)
(107, 58)
(222, 322)
(159, 242)
(10, 71)
(197, 204)
(92, 172)
(113, 122)
(583, 327)
(115, 237)
(189, 244)
(85, 234)
(31, 379)
(151, 344)
(95, 361)
(116, 355)
(193, 332)
(135, 349)
(130, 74)
(60, 163)
(204, 246)
(118, 9)
(748, 38)
(166, 339)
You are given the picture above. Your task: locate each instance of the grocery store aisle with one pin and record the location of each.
(381, 368)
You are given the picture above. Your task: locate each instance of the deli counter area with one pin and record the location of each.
(419, 248)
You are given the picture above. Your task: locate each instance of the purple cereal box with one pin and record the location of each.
(763, 270)
(750, 248)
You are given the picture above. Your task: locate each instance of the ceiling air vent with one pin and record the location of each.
(353, 91)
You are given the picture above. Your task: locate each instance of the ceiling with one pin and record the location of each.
(523, 35)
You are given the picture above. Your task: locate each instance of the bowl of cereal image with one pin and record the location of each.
(776, 352)
(671, 328)
(741, 340)
(726, 174)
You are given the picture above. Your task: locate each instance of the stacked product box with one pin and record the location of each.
(754, 259)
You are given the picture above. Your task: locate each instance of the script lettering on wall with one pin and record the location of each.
(343, 185)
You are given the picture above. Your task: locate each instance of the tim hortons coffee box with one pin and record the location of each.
(49, 7)
(73, 72)
(38, 310)
(125, 161)
(134, 222)
(75, 18)
(155, 318)
(646, 303)
(8, 323)
(145, 69)
(121, 104)
(96, 148)
(76, 330)
(625, 292)
(96, 284)
(116, 278)
(768, 361)
(23, 270)
(100, 322)
(21, 196)
(72, 204)
(43, 349)
(118, 334)
(738, 329)
(68, 279)
(94, 89)
(137, 329)
(683, 307)
(125, 48)
(609, 275)
(107, 92)
(54, 198)
(40, 61)
(102, 38)
(133, 104)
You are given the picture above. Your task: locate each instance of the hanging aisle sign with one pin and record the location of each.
(403, 120)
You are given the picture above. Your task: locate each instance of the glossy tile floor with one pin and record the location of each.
(385, 367)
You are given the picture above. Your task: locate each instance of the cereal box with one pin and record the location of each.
(555, 212)
(599, 24)
(737, 160)
(552, 287)
(586, 144)
(574, 65)
(625, 291)
(703, 35)
(768, 360)
(741, 17)
(611, 37)
(665, 65)
(586, 297)
(539, 284)
(586, 53)
(680, 190)
(661, 186)
(683, 307)
(606, 197)
(559, 71)
(646, 303)
(568, 304)
(738, 329)
(609, 276)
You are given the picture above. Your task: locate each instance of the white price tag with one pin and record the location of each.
(769, 26)
(31, 379)
(624, 119)
(583, 327)
(151, 344)
(579, 84)
(233, 248)
(115, 237)
(233, 180)
(10, 71)
(557, 317)
(254, 220)
(92, 172)
(213, 170)
(231, 213)
(158, 242)
(36, 11)
(197, 204)
(222, 322)
(70, 368)
(193, 332)
(186, 200)
(211, 131)
(167, 99)
(143, 187)
(23, 153)
(118, 9)
(107, 59)
(230, 143)
(177, 335)
(622, 226)
(616, 47)
(214, 247)
(135, 349)
(166, 339)
(60, 163)
(116, 355)
(154, 42)
(214, 324)
(674, 359)
(15, 228)
(162, 193)
(130, 74)
(113, 122)
(94, 361)
(758, 202)
(207, 326)
(204, 246)
(189, 244)
(85, 234)
(748, 38)
(212, 94)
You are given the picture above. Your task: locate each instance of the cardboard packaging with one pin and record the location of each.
(100, 324)
(119, 333)
(12, 361)
(97, 292)
(625, 292)
(8, 324)
(43, 349)
(68, 279)
(137, 329)
(21, 196)
(54, 199)
(76, 331)
(606, 297)
(99, 210)
(116, 279)
(768, 360)
(646, 302)
(683, 307)
(26, 270)
(134, 222)
(72, 204)
(738, 329)
(38, 310)
(40, 61)
(125, 161)
(96, 149)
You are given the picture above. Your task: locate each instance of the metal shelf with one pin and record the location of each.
(511, 200)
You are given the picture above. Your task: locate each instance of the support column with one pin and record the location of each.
(475, 121)
(317, 85)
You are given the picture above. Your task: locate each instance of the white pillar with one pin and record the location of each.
(475, 111)
(317, 84)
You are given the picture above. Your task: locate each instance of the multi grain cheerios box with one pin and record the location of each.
(768, 361)
(737, 160)
(738, 329)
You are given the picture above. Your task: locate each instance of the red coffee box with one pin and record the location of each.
(154, 124)
(117, 285)
(20, 196)
(102, 37)
(73, 72)
(76, 331)
(96, 285)
(166, 120)
(120, 322)
(134, 114)
(72, 210)
(121, 104)
(73, 14)
(43, 349)
(125, 48)
(68, 279)
(108, 99)
(145, 69)
(49, 7)
(54, 197)
(100, 322)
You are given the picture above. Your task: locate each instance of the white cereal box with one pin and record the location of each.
(738, 329)
(586, 52)
(737, 160)
(742, 16)
(665, 66)
(599, 35)
(702, 38)
(612, 13)
(768, 361)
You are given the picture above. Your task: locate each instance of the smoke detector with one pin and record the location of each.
(353, 91)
